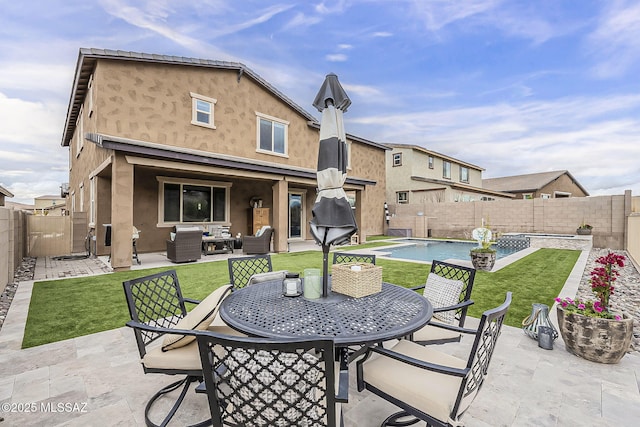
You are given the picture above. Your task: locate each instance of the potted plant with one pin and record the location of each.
(584, 229)
(589, 329)
(483, 256)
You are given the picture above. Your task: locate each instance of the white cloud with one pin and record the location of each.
(27, 77)
(382, 34)
(577, 134)
(519, 19)
(336, 57)
(159, 20)
(302, 20)
(29, 123)
(615, 43)
(338, 6)
(361, 90)
(437, 14)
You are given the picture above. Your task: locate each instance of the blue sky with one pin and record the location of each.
(512, 86)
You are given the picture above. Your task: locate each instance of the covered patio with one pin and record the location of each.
(99, 377)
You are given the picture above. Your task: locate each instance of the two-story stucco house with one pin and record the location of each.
(417, 175)
(53, 205)
(158, 140)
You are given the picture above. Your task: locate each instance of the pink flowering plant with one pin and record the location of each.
(602, 279)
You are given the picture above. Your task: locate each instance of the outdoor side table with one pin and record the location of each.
(261, 310)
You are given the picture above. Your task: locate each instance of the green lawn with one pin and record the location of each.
(67, 308)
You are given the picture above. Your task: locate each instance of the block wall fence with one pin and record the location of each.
(13, 241)
(615, 223)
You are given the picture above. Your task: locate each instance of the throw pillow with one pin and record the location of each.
(443, 292)
(197, 319)
(267, 277)
(262, 230)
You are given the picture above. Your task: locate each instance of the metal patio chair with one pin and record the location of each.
(428, 384)
(346, 257)
(158, 313)
(245, 271)
(261, 382)
(448, 288)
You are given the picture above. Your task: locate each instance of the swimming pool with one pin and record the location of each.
(428, 250)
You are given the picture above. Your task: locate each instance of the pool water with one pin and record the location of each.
(428, 250)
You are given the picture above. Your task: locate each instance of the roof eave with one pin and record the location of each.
(146, 149)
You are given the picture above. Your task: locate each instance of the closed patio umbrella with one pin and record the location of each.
(333, 222)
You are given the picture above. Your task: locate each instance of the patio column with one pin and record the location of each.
(281, 215)
(121, 213)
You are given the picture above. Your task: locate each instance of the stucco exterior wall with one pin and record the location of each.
(555, 216)
(562, 184)
(152, 102)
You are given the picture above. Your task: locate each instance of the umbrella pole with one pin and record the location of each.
(325, 271)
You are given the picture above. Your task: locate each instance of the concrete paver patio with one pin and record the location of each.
(97, 380)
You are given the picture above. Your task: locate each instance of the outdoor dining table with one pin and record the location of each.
(262, 310)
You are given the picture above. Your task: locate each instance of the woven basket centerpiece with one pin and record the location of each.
(356, 279)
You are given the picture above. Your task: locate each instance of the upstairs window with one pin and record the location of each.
(430, 162)
(272, 135)
(202, 110)
(464, 174)
(446, 169)
(397, 159)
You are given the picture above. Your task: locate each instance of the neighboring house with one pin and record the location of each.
(158, 140)
(49, 205)
(4, 193)
(20, 206)
(544, 185)
(416, 175)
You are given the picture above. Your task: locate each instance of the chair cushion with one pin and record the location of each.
(433, 333)
(443, 292)
(199, 318)
(185, 358)
(428, 391)
(267, 277)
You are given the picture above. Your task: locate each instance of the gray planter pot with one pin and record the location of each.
(483, 260)
(583, 231)
(595, 339)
